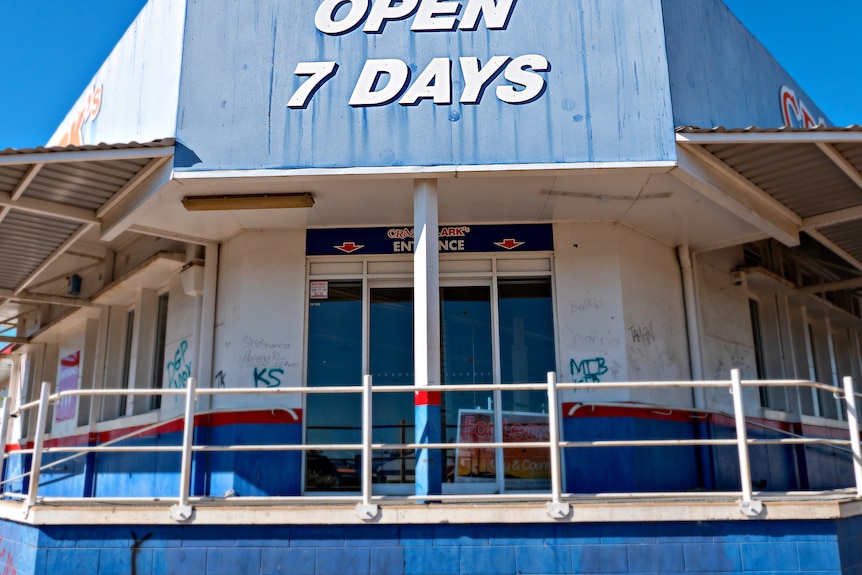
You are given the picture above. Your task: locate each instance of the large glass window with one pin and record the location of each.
(127, 361)
(334, 359)
(494, 329)
(159, 349)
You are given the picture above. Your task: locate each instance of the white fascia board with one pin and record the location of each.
(747, 202)
(753, 137)
(424, 172)
(123, 214)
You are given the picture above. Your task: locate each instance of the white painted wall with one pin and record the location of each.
(590, 308)
(260, 316)
(654, 317)
(725, 326)
(181, 344)
(134, 95)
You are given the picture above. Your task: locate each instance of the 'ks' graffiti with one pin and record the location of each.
(589, 370)
(179, 370)
(264, 377)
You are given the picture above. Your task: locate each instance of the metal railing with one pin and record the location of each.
(558, 503)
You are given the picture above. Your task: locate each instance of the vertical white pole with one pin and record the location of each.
(741, 435)
(426, 283)
(38, 441)
(556, 508)
(367, 422)
(853, 425)
(188, 441)
(554, 436)
(426, 335)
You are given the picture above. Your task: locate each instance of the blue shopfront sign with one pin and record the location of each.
(400, 240)
(355, 84)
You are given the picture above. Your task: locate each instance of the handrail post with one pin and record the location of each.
(38, 442)
(367, 510)
(556, 508)
(182, 511)
(853, 425)
(748, 506)
(4, 430)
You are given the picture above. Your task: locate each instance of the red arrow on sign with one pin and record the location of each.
(509, 244)
(349, 247)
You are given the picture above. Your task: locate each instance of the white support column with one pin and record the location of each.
(426, 286)
(426, 330)
(207, 322)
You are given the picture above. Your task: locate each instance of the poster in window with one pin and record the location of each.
(524, 467)
(68, 381)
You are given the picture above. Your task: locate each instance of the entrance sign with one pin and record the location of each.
(399, 240)
(523, 467)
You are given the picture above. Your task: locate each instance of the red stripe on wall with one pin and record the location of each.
(269, 416)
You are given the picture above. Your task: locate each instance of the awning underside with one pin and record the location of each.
(51, 197)
(813, 176)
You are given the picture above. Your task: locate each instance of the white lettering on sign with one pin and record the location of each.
(369, 92)
(382, 81)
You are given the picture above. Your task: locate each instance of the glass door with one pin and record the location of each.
(527, 354)
(391, 363)
(466, 351)
(334, 359)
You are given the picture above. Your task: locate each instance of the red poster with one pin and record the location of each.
(68, 381)
(525, 467)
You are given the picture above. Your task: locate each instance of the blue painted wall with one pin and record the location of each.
(643, 469)
(606, 99)
(812, 547)
(720, 75)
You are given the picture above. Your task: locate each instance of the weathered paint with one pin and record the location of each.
(134, 95)
(720, 75)
(606, 97)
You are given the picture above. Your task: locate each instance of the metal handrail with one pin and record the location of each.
(367, 508)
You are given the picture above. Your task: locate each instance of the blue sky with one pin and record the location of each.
(51, 48)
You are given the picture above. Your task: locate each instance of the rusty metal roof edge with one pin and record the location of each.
(160, 143)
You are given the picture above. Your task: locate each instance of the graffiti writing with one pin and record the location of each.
(7, 562)
(577, 340)
(219, 379)
(261, 343)
(180, 369)
(268, 377)
(588, 370)
(585, 305)
(251, 358)
(260, 352)
(642, 333)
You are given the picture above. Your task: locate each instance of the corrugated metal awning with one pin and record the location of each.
(807, 179)
(51, 197)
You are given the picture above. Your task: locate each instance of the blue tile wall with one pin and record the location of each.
(751, 547)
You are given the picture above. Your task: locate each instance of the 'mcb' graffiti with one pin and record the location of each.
(589, 370)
